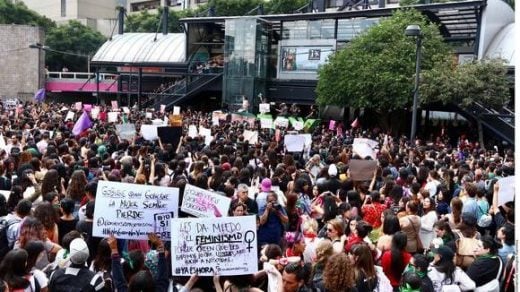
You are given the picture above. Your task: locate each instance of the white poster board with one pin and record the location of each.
(281, 122)
(206, 246)
(251, 136)
(294, 143)
(264, 108)
(365, 147)
(206, 133)
(112, 117)
(148, 115)
(192, 131)
(69, 116)
(126, 131)
(94, 113)
(266, 123)
(298, 125)
(131, 211)
(176, 110)
(149, 132)
(201, 203)
(506, 190)
(126, 110)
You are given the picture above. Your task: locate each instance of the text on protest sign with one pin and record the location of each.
(202, 203)
(294, 143)
(131, 211)
(204, 246)
(126, 131)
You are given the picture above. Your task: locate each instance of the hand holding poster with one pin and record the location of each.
(206, 246)
(112, 117)
(251, 136)
(264, 108)
(126, 131)
(281, 122)
(149, 132)
(201, 203)
(362, 169)
(365, 147)
(266, 123)
(294, 143)
(131, 211)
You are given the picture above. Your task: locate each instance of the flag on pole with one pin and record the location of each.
(39, 96)
(82, 124)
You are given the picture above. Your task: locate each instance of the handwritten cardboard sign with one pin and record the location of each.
(149, 132)
(365, 147)
(264, 108)
(266, 123)
(205, 246)
(126, 131)
(506, 190)
(362, 169)
(281, 122)
(202, 203)
(294, 143)
(131, 211)
(112, 117)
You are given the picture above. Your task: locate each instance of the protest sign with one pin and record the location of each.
(163, 108)
(69, 116)
(202, 203)
(176, 110)
(298, 125)
(78, 105)
(362, 169)
(87, 107)
(332, 125)
(94, 113)
(506, 190)
(365, 147)
(266, 123)
(206, 133)
(281, 122)
(114, 104)
(264, 108)
(126, 110)
(148, 115)
(251, 136)
(112, 117)
(126, 131)
(192, 131)
(170, 135)
(149, 132)
(131, 211)
(294, 143)
(206, 246)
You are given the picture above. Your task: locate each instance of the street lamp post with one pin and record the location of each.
(40, 47)
(415, 31)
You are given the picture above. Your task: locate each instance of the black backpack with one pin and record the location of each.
(4, 243)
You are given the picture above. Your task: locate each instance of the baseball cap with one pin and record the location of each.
(266, 185)
(79, 252)
(445, 252)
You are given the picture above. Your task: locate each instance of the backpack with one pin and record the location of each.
(465, 251)
(4, 242)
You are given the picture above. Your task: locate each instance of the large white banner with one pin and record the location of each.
(201, 203)
(131, 211)
(205, 246)
(365, 147)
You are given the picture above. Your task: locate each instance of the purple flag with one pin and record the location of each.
(82, 124)
(39, 96)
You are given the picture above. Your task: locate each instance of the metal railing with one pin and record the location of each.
(80, 75)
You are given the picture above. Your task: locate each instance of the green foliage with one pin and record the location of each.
(482, 81)
(18, 13)
(376, 69)
(72, 37)
(283, 6)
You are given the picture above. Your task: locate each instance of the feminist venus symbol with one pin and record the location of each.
(249, 237)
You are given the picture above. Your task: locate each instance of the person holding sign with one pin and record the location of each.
(142, 280)
(272, 221)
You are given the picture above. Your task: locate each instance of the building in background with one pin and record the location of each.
(135, 6)
(21, 68)
(100, 15)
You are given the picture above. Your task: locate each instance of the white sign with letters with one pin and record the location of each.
(203, 203)
(131, 211)
(207, 246)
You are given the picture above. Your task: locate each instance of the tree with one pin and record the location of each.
(145, 21)
(73, 38)
(18, 13)
(376, 69)
(483, 81)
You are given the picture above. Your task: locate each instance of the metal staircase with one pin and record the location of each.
(501, 123)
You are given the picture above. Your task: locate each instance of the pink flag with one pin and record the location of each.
(339, 131)
(78, 105)
(82, 124)
(355, 123)
(87, 107)
(332, 125)
(114, 104)
(163, 107)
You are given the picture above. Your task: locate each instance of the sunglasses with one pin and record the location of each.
(330, 230)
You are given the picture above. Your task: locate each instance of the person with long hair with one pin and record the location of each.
(444, 273)
(31, 188)
(32, 229)
(390, 227)
(364, 268)
(323, 251)
(339, 274)
(361, 231)
(335, 233)
(52, 183)
(455, 217)
(395, 260)
(67, 222)
(35, 252)
(13, 271)
(48, 216)
(76, 188)
(428, 219)
(411, 224)
(102, 264)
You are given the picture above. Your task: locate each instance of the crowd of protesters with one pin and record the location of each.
(428, 220)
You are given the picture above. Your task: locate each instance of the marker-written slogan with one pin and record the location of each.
(203, 203)
(225, 245)
(132, 211)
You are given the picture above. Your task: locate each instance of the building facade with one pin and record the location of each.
(100, 15)
(21, 67)
(135, 6)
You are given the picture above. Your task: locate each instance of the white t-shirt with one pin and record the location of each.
(40, 277)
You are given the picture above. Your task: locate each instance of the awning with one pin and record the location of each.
(142, 48)
(504, 45)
